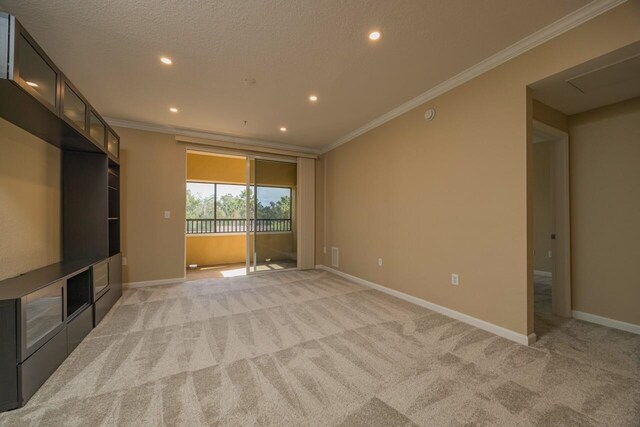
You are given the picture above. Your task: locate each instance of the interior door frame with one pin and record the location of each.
(560, 218)
(249, 158)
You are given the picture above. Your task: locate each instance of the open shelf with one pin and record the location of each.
(114, 209)
(114, 178)
(78, 293)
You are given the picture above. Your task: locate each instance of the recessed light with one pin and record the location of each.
(165, 60)
(283, 129)
(374, 35)
(173, 109)
(313, 98)
(32, 84)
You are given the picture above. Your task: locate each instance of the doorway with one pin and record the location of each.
(551, 224)
(240, 215)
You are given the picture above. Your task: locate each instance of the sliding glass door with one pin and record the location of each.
(271, 237)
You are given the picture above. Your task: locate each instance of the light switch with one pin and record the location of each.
(167, 214)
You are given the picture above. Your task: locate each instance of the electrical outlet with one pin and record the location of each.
(455, 279)
(549, 254)
(379, 262)
(167, 214)
(124, 260)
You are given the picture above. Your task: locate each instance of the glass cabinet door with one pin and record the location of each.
(96, 129)
(73, 107)
(113, 145)
(100, 278)
(35, 72)
(44, 313)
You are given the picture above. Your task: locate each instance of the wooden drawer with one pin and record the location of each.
(34, 371)
(79, 328)
(102, 307)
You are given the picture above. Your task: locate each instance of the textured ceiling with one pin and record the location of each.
(111, 49)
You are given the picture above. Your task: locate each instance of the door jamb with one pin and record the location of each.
(561, 219)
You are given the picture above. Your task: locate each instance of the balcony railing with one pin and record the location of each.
(221, 226)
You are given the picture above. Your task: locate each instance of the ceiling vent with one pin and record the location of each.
(626, 70)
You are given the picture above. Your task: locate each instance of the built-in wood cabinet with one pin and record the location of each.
(74, 107)
(113, 144)
(31, 68)
(27, 66)
(42, 313)
(97, 129)
(46, 313)
(114, 210)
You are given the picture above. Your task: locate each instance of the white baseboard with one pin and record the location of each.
(146, 283)
(605, 321)
(542, 273)
(473, 321)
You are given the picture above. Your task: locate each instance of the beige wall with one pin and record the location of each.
(320, 207)
(153, 176)
(306, 220)
(30, 203)
(550, 116)
(542, 210)
(605, 211)
(455, 195)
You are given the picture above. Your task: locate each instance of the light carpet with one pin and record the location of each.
(310, 348)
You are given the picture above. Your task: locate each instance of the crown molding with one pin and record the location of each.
(209, 135)
(570, 21)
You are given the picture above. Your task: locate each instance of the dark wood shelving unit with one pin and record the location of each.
(46, 313)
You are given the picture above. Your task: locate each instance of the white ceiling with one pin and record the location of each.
(293, 48)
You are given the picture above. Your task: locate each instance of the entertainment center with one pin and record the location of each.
(46, 313)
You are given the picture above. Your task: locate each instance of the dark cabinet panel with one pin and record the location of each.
(102, 307)
(78, 328)
(85, 228)
(8, 356)
(4, 47)
(114, 290)
(36, 369)
(115, 276)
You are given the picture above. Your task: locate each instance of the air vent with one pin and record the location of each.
(335, 257)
